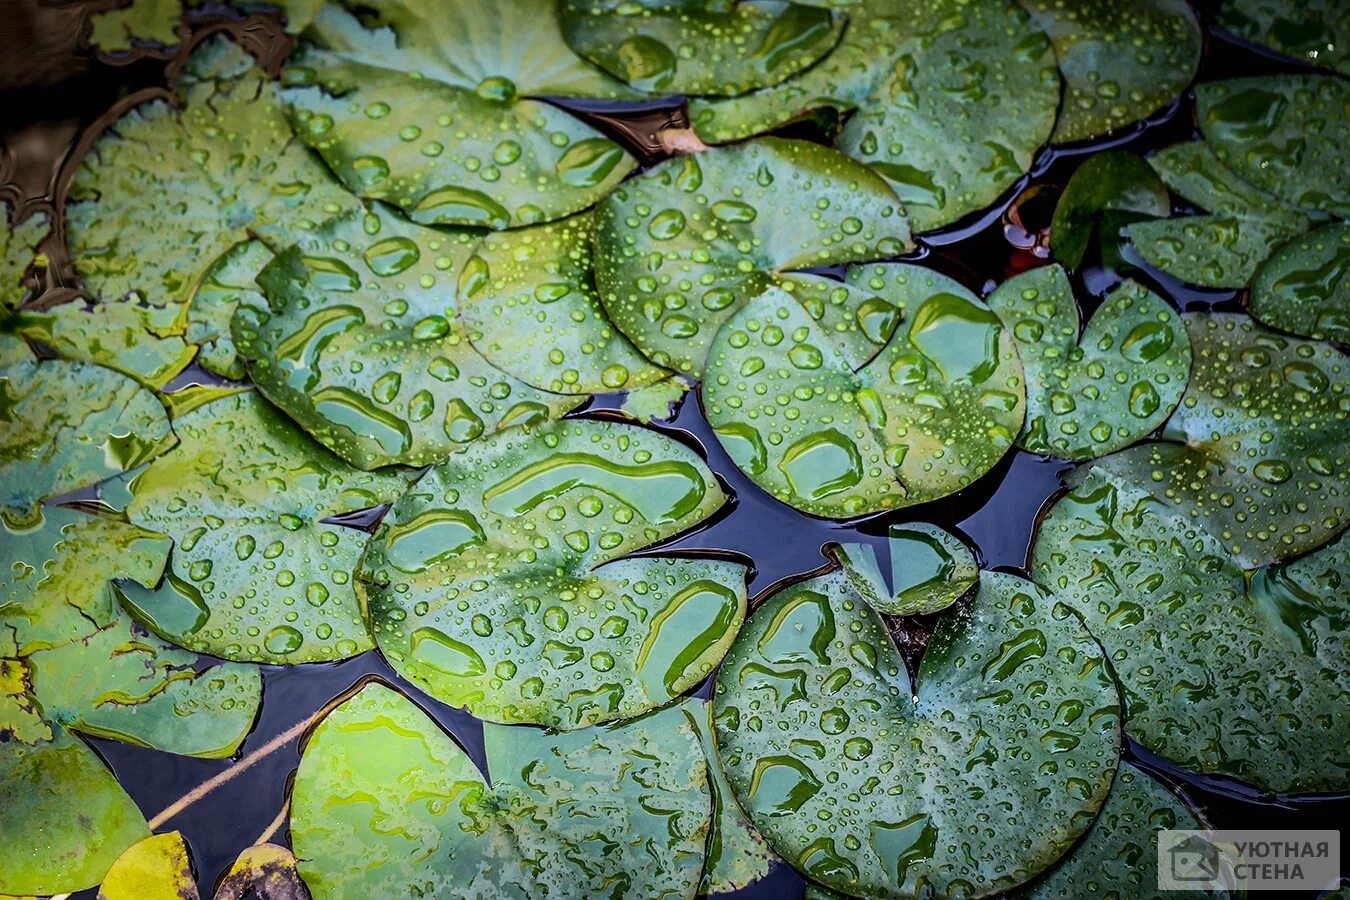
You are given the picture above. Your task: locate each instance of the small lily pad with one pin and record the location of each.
(438, 114)
(1302, 288)
(656, 402)
(620, 811)
(1310, 31)
(265, 871)
(496, 582)
(930, 570)
(697, 48)
(817, 721)
(156, 868)
(1106, 192)
(256, 574)
(228, 284)
(686, 244)
(934, 410)
(1092, 394)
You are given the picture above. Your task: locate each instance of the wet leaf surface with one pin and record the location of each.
(930, 570)
(738, 855)
(18, 251)
(118, 336)
(1302, 287)
(497, 584)
(1106, 192)
(156, 868)
(228, 284)
(1310, 31)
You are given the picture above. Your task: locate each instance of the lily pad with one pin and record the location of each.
(686, 244)
(1255, 453)
(1092, 393)
(738, 855)
(257, 573)
(1108, 191)
(616, 811)
(117, 336)
(265, 871)
(697, 48)
(934, 410)
(496, 582)
(1302, 288)
(1120, 62)
(155, 23)
(361, 344)
(655, 402)
(1223, 671)
(18, 251)
(930, 570)
(156, 868)
(842, 767)
(439, 114)
(1310, 31)
(228, 284)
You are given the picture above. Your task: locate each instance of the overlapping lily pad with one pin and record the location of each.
(257, 574)
(1108, 191)
(155, 23)
(266, 871)
(620, 811)
(228, 284)
(935, 409)
(975, 785)
(439, 114)
(1092, 393)
(18, 250)
(930, 570)
(1303, 289)
(156, 868)
(738, 855)
(496, 582)
(1313, 31)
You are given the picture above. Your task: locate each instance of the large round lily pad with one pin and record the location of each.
(436, 110)
(1303, 289)
(257, 574)
(972, 786)
(1314, 31)
(1092, 393)
(388, 805)
(496, 582)
(935, 409)
(685, 245)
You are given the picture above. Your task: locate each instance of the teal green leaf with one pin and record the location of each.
(497, 584)
(1255, 453)
(360, 342)
(1121, 62)
(1302, 288)
(67, 425)
(1310, 31)
(1107, 191)
(618, 811)
(1285, 134)
(682, 247)
(1223, 671)
(1092, 393)
(118, 336)
(156, 868)
(934, 410)
(738, 855)
(697, 48)
(930, 570)
(256, 573)
(230, 282)
(437, 113)
(817, 722)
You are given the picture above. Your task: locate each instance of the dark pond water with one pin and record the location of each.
(51, 94)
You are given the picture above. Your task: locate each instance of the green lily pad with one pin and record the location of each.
(1309, 31)
(697, 48)
(67, 425)
(361, 344)
(1223, 671)
(496, 582)
(256, 573)
(686, 244)
(1255, 453)
(852, 777)
(117, 336)
(616, 811)
(656, 402)
(228, 284)
(738, 855)
(930, 570)
(156, 868)
(1302, 288)
(1120, 62)
(1092, 393)
(437, 114)
(155, 23)
(266, 871)
(1286, 134)
(1106, 192)
(18, 251)
(933, 411)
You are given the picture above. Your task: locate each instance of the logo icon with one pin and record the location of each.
(1194, 859)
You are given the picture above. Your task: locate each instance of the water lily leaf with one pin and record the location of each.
(156, 868)
(930, 413)
(20, 716)
(117, 336)
(1266, 477)
(530, 303)
(256, 573)
(1120, 63)
(655, 402)
(18, 251)
(1309, 31)
(68, 425)
(230, 282)
(155, 22)
(1014, 702)
(693, 47)
(1286, 134)
(738, 855)
(438, 114)
(359, 343)
(620, 811)
(930, 570)
(1302, 288)
(1225, 671)
(1224, 248)
(1107, 191)
(265, 871)
(513, 545)
(686, 244)
(1092, 394)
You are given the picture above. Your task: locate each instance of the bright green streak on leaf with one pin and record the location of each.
(157, 868)
(1315, 31)
(1302, 288)
(930, 570)
(1106, 192)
